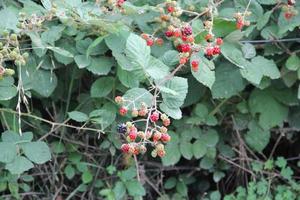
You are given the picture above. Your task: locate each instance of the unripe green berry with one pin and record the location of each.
(9, 72)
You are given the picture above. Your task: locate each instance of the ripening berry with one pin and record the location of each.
(163, 129)
(216, 50)
(239, 24)
(190, 39)
(288, 15)
(143, 112)
(208, 37)
(123, 111)
(183, 60)
(156, 136)
(145, 36)
(195, 65)
(187, 30)
(134, 112)
(119, 100)
(154, 153)
(184, 38)
(141, 134)
(219, 41)
(159, 41)
(134, 150)
(177, 33)
(170, 9)
(142, 149)
(165, 137)
(132, 135)
(154, 117)
(166, 122)
(169, 33)
(185, 47)
(159, 147)
(150, 42)
(161, 153)
(120, 2)
(209, 51)
(163, 116)
(125, 148)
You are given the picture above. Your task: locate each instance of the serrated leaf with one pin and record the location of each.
(19, 165)
(37, 152)
(157, 69)
(100, 65)
(205, 73)
(199, 148)
(256, 137)
(248, 50)
(61, 51)
(293, 63)
(138, 96)
(175, 113)
(8, 152)
(135, 188)
(7, 88)
(186, 149)
(102, 87)
(82, 61)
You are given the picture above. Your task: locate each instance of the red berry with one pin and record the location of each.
(169, 33)
(161, 153)
(177, 33)
(209, 51)
(195, 65)
(183, 60)
(159, 41)
(239, 24)
(145, 36)
(123, 111)
(184, 38)
(170, 9)
(190, 39)
(185, 48)
(154, 117)
(187, 30)
(288, 15)
(219, 41)
(132, 135)
(143, 112)
(150, 42)
(216, 50)
(125, 148)
(166, 122)
(120, 2)
(165, 137)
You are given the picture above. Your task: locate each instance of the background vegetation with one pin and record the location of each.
(235, 120)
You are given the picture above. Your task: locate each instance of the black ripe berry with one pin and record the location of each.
(121, 128)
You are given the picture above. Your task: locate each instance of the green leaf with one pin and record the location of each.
(37, 152)
(249, 50)
(10, 19)
(170, 58)
(104, 116)
(170, 183)
(87, 177)
(102, 87)
(172, 152)
(130, 79)
(156, 69)
(61, 51)
(7, 88)
(211, 138)
(8, 152)
(272, 113)
(186, 149)
(119, 190)
(93, 45)
(293, 63)
(199, 148)
(180, 86)
(264, 19)
(218, 175)
(69, 171)
(53, 34)
(19, 165)
(101, 65)
(232, 52)
(256, 137)
(137, 51)
(228, 82)
(82, 61)
(135, 188)
(78, 116)
(10, 136)
(205, 73)
(138, 96)
(175, 113)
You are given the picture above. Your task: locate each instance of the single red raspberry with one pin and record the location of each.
(169, 33)
(209, 51)
(239, 24)
(166, 122)
(145, 36)
(187, 30)
(154, 117)
(159, 41)
(125, 148)
(156, 136)
(123, 111)
(143, 112)
(190, 39)
(177, 33)
(165, 137)
(170, 9)
(132, 135)
(288, 15)
(183, 60)
(185, 48)
(216, 50)
(150, 42)
(195, 65)
(219, 41)
(184, 38)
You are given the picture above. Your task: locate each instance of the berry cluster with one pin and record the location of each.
(289, 9)
(154, 132)
(240, 19)
(151, 40)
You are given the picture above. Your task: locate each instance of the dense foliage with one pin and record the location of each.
(149, 99)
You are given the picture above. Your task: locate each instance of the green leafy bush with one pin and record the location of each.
(140, 99)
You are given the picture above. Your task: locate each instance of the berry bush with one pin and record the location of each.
(150, 99)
